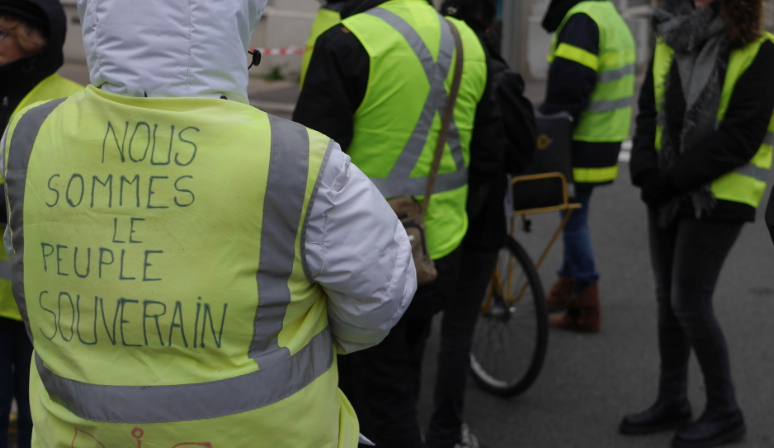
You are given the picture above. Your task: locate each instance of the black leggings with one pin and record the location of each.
(687, 258)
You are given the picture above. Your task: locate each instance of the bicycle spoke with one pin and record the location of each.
(508, 343)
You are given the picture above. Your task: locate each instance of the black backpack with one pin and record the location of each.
(518, 115)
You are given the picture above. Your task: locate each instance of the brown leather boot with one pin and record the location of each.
(582, 313)
(560, 294)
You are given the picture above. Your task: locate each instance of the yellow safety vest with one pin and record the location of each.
(51, 88)
(158, 265)
(609, 115)
(411, 51)
(746, 184)
(325, 20)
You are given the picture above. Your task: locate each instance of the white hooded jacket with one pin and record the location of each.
(355, 247)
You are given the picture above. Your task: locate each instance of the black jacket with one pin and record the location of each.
(336, 84)
(569, 83)
(486, 212)
(18, 78)
(732, 145)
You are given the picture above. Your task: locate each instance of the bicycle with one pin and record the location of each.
(511, 336)
(514, 313)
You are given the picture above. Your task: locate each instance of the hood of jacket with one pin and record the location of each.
(170, 48)
(743, 17)
(556, 12)
(353, 7)
(19, 77)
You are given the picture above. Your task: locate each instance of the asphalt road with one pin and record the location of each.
(589, 382)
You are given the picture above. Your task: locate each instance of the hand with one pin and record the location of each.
(658, 190)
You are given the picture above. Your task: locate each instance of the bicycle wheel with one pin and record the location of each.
(511, 335)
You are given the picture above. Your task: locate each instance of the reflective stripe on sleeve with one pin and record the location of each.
(22, 141)
(579, 55)
(753, 171)
(769, 139)
(436, 73)
(187, 402)
(595, 175)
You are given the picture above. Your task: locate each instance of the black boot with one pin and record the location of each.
(664, 415)
(712, 430)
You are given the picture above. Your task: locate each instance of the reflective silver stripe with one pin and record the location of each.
(613, 75)
(436, 73)
(455, 146)
(22, 141)
(283, 205)
(769, 139)
(186, 402)
(750, 170)
(607, 106)
(5, 270)
(416, 186)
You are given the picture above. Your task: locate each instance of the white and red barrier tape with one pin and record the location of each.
(279, 51)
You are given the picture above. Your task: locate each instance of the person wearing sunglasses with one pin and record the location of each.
(32, 35)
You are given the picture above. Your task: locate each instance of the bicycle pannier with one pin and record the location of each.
(554, 155)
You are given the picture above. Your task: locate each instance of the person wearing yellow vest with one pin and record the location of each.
(188, 266)
(328, 16)
(702, 153)
(33, 34)
(591, 77)
(377, 84)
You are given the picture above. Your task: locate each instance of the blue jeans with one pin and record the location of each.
(15, 357)
(578, 255)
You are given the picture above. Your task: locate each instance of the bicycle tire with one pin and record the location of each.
(533, 309)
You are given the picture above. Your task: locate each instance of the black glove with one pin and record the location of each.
(658, 190)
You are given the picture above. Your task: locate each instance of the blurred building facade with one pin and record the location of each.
(526, 44)
(286, 24)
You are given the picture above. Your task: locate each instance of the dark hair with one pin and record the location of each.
(478, 14)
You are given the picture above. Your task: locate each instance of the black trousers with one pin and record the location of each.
(382, 382)
(15, 356)
(687, 258)
(459, 320)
